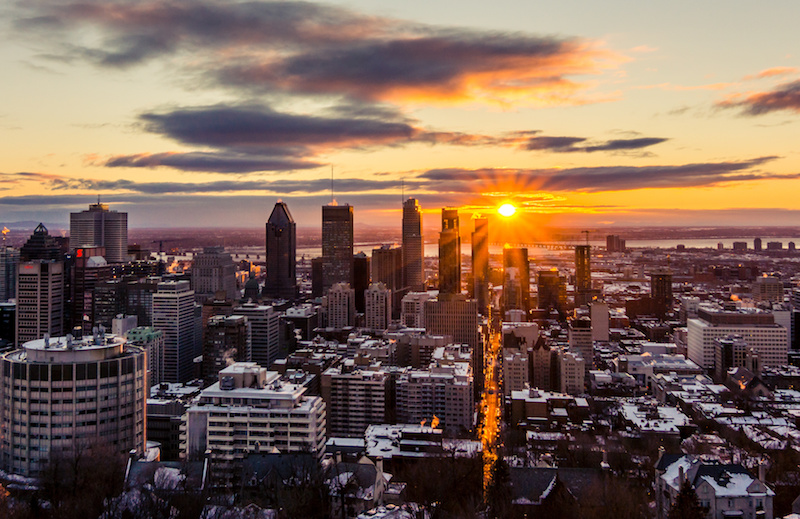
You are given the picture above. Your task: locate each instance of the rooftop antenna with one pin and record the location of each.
(331, 183)
(587, 236)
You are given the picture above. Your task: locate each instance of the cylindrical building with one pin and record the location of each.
(62, 395)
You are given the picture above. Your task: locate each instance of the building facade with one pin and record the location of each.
(40, 300)
(450, 253)
(174, 315)
(413, 250)
(281, 282)
(100, 227)
(337, 245)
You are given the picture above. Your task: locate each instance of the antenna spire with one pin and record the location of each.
(331, 183)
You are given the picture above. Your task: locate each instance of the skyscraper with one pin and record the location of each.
(480, 262)
(99, 227)
(661, 291)
(281, 280)
(583, 275)
(378, 302)
(360, 279)
(173, 313)
(516, 259)
(450, 253)
(213, 271)
(337, 245)
(88, 271)
(40, 300)
(40, 246)
(387, 268)
(9, 259)
(413, 264)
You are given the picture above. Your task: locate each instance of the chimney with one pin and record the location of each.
(762, 472)
(680, 475)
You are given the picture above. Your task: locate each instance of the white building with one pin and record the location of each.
(412, 314)
(515, 371)
(265, 332)
(40, 300)
(340, 306)
(378, 310)
(249, 410)
(62, 394)
(173, 314)
(572, 373)
(580, 340)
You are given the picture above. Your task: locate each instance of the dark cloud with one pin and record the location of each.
(305, 48)
(611, 178)
(782, 97)
(570, 144)
(553, 143)
(218, 162)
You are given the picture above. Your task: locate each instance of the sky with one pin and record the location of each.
(204, 113)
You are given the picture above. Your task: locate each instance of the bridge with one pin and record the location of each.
(539, 245)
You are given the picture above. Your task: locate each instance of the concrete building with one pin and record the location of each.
(413, 311)
(264, 332)
(387, 268)
(580, 340)
(152, 342)
(337, 245)
(572, 373)
(457, 317)
(515, 371)
(378, 300)
(768, 288)
(340, 306)
(40, 300)
(174, 315)
(213, 271)
(356, 396)
(413, 251)
(281, 281)
(100, 227)
(225, 342)
(756, 328)
(445, 392)
(598, 310)
(450, 253)
(251, 410)
(88, 271)
(62, 394)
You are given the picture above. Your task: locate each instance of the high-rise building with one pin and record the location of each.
(341, 306)
(600, 320)
(518, 296)
(757, 244)
(552, 290)
(378, 313)
(173, 314)
(264, 332)
(768, 288)
(387, 268)
(572, 372)
(360, 281)
(450, 253)
(457, 317)
(337, 245)
(443, 391)
(356, 397)
(41, 246)
(40, 300)
(580, 340)
(413, 311)
(152, 341)
(89, 270)
(480, 262)
(281, 282)
(99, 227)
(413, 251)
(614, 243)
(661, 291)
(65, 391)
(583, 275)
(213, 270)
(9, 259)
(226, 340)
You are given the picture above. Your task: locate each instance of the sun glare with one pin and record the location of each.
(507, 210)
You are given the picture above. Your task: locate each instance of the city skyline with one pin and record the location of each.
(206, 114)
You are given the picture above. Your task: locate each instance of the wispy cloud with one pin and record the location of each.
(785, 97)
(773, 72)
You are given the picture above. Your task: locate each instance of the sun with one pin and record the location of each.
(507, 210)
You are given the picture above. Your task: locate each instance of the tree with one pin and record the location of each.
(686, 505)
(498, 493)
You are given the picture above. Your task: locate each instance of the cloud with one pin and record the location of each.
(216, 162)
(772, 72)
(570, 144)
(782, 97)
(311, 49)
(601, 178)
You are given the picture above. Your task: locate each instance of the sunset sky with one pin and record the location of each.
(205, 113)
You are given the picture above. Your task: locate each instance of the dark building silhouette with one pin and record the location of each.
(387, 268)
(516, 279)
(480, 262)
(337, 245)
(226, 340)
(450, 253)
(661, 291)
(360, 280)
(281, 282)
(89, 270)
(552, 289)
(413, 251)
(757, 244)
(614, 243)
(316, 277)
(100, 227)
(41, 246)
(583, 275)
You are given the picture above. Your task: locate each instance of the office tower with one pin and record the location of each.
(552, 290)
(9, 259)
(337, 245)
(281, 282)
(583, 275)
(99, 227)
(758, 329)
(661, 291)
(449, 253)
(614, 243)
(413, 311)
(580, 340)
(139, 302)
(88, 271)
(316, 277)
(457, 317)
(152, 342)
(264, 332)
(41, 246)
(600, 320)
(515, 260)
(360, 279)
(757, 244)
(413, 247)
(768, 288)
(226, 340)
(480, 262)
(173, 314)
(378, 313)
(40, 300)
(213, 270)
(250, 402)
(387, 268)
(355, 397)
(341, 306)
(66, 376)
